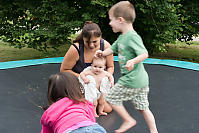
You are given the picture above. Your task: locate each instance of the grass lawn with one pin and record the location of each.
(178, 51)
(9, 53)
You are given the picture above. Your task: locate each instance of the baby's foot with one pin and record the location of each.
(125, 126)
(102, 113)
(96, 115)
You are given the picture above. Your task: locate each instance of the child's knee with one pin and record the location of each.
(95, 103)
(101, 101)
(144, 111)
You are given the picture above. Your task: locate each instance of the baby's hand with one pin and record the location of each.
(112, 83)
(130, 65)
(98, 53)
(111, 79)
(86, 81)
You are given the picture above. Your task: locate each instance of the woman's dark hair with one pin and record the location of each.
(90, 29)
(64, 84)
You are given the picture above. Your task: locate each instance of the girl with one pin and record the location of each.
(68, 110)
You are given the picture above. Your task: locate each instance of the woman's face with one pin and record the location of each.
(93, 43)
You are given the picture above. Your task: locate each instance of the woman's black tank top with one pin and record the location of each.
(80, 64)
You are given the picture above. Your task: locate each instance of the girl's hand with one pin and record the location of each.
(98, 53)
(130, 65)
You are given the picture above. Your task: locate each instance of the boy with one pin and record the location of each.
(133, 84)
(97, 82)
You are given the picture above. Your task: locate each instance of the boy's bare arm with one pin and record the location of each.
(106, 52)
(139, 58)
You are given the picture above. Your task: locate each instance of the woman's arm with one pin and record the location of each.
(83, 75)
(109, 59)
(70, 60)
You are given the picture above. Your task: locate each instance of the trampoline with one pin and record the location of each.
(174, 90)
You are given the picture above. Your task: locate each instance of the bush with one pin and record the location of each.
(41, 24)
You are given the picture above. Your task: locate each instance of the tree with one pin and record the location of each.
(189, 13)
(38, 24)
(41, 24)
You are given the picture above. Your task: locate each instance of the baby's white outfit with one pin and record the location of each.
(91, 92)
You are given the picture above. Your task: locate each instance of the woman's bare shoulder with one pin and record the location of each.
(106, 44)
(77, 44)
(72, 51)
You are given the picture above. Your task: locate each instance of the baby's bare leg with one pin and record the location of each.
(101, 110)
(101, 105)
(95, 103)
(107, 107)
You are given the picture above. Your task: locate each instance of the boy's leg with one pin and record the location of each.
(150, 120)
(128, 121)
(116, 95)
(141, 103)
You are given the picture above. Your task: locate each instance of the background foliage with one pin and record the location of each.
(41, 24)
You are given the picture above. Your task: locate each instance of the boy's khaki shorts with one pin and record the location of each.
(138, 96)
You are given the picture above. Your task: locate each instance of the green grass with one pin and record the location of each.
(9, 53)
(178, 51)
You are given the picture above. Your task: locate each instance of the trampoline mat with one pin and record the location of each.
(173, 100)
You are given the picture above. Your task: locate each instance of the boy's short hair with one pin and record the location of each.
(125, 10)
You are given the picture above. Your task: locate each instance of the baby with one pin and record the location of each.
(97, 82)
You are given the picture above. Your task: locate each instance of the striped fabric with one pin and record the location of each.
(138, 96)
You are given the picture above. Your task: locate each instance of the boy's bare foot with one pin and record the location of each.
(102, 113)
(125, 126)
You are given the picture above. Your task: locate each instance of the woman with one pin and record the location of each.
(81, 53)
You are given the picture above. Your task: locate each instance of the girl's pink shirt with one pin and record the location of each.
(64, 113)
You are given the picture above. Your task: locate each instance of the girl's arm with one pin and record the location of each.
(46, 129)
(130, 63)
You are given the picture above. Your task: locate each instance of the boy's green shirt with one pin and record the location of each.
(129, 46)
